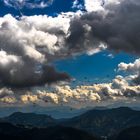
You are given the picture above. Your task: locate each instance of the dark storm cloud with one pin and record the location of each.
(119, 29)
(26, 76)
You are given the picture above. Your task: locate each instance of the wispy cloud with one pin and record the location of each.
(19, 4)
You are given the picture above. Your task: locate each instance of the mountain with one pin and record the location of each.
(30, 119)
(51, 133)
(132, 133)
(105, 122)
(99, 122)
(57, 112)
(55, 8)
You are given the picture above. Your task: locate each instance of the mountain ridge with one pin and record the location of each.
(106, 122)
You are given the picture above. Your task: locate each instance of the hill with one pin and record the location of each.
(30, 119)
(50, 133)
(132, 133)
(105, 122)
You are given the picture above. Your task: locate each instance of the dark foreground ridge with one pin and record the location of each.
(9, 131)
(132, 133)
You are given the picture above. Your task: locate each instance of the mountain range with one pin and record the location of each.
(101, 123)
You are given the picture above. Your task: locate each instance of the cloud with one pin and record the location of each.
(25, 77)
(27, 47)
(77, 5)
(94, 5)
(130, 67)
(116, 26)
(29, 44)
(19, 4)
(99, 5)
(82, 32)
(90, 95)
(82, 96)
(6, 60)
(133, 69)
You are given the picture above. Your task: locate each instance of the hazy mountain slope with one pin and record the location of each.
(32, 119)
(105, 122)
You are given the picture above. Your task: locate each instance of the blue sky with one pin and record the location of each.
(96, 68)
(54, 9)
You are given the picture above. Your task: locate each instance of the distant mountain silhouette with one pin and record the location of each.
(51, 133)
(31, 119)
(132, 133)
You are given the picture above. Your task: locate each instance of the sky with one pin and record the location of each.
(75, 53)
